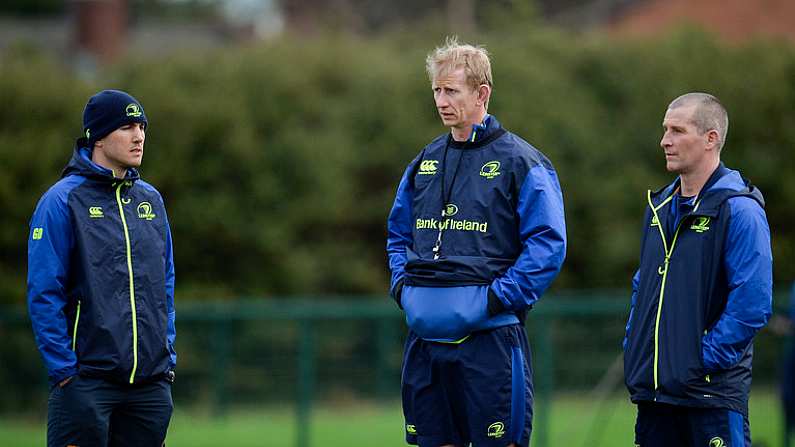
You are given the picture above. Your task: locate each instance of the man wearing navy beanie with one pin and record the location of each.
(101, 287)
(107, 111)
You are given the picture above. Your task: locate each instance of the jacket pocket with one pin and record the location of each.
(444, 313)
(681, 368)
(74, 329)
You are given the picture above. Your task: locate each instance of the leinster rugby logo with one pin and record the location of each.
(717, 441)
(496, 430)
(145, 211)
(490, 169)
(133, 110)
(701, 224)
(450, 210)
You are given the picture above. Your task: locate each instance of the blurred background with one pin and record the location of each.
(278, 131)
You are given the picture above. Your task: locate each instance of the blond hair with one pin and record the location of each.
(452, 56)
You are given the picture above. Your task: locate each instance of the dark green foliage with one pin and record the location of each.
(32, 7)
(279, 162)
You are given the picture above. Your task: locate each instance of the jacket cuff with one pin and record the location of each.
(494, 305)
(397, 292)
(57, 376)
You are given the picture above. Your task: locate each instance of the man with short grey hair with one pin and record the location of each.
(702, 291)
(708, 114)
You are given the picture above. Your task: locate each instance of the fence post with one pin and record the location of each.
(385, 335)
(786, 429)
(306, 377)
(221, 351)
(544, 370)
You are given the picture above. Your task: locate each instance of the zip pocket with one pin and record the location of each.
(74, 331)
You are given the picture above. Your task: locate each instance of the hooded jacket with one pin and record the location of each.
(101, 276)
(476, 233)
(703, 290)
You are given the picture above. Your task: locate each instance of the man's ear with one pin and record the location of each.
(484, 92)
(713, 140)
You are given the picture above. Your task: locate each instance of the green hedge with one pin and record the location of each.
(278, 162)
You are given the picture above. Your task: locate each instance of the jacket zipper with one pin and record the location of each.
(74, 331)
(132, 284)
(664, 272)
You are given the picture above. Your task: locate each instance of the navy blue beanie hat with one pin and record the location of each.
(107, 111)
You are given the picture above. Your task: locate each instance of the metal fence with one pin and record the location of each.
(304, 350)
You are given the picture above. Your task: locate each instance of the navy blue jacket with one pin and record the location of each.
(101, 276)
(703, 290)
(503, 238)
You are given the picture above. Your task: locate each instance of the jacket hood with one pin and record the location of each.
(81, 164)
(722, 185)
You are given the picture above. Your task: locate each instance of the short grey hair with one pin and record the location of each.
(708, 114)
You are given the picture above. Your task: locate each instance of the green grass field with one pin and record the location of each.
(574, 421)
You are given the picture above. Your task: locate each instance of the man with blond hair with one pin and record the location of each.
(476, 235)
(702, 291)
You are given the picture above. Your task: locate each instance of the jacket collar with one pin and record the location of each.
(481, 134)
(722, 184)
(81, 164)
